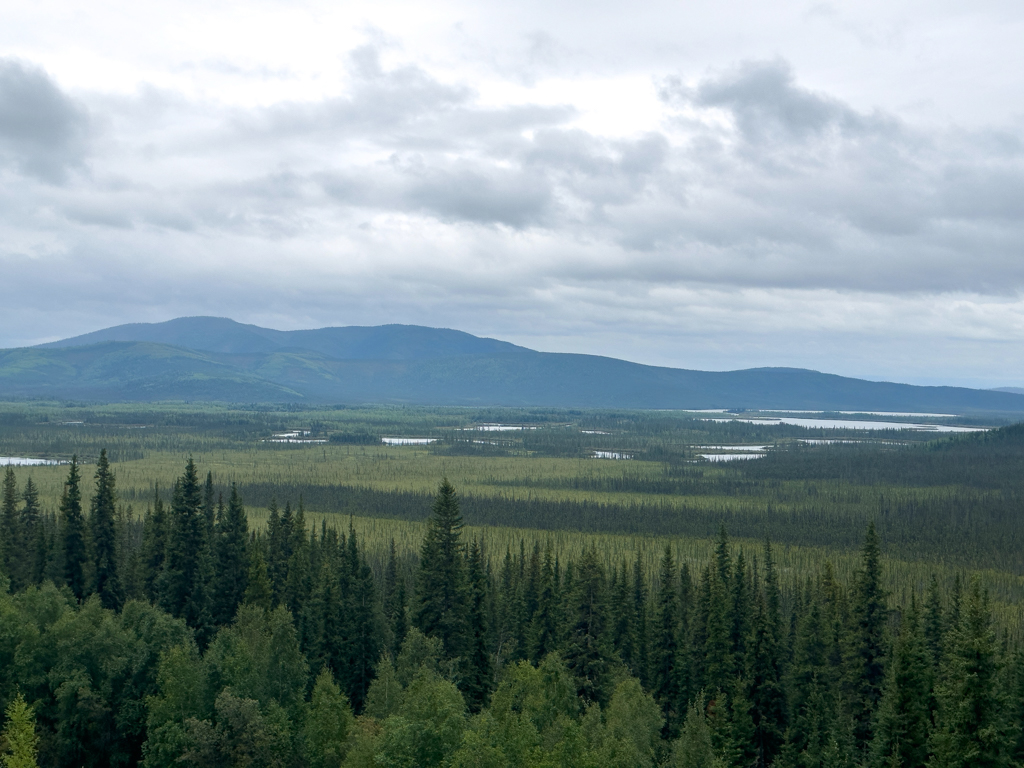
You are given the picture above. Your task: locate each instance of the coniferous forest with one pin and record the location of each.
(187, 637)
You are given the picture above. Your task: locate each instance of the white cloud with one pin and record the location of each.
(715, 186)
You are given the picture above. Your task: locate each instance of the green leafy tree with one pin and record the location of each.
(385, 692)
(242, 734)
(633, 723)
(19, 740)
(693, 748)
(329, 722)
(428, 727)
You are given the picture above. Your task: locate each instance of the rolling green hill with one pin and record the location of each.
(218, 359)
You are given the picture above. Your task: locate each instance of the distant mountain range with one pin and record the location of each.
(210, 358)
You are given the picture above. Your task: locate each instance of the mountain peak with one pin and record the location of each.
(226, 336)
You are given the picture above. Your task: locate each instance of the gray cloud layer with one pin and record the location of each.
(42, 131)
(758, 206)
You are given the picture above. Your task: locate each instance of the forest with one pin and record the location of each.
(259, 586)
(186, 636)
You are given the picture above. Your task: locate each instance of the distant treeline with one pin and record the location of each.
(185, 639)
(960, 526)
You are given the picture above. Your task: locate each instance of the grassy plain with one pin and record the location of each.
(814, 507)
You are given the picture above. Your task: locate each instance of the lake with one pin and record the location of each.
(851, 424)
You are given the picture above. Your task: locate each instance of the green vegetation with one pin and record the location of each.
(538, 607)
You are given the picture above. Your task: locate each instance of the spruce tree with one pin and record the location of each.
(642, 661)
(587, 651)
(718, 657)
(739, 615)
(209, 508)
(974, 726)
(300, 575)
(231, 558)
(30, 525)
(389, 594)
(812, 690)
(257, 587)
(544, 634)
(73, 531)
(198, 611)
(667, 645)
(442, 593)
(867, 651)
(102, 512)
(934, 624)
(185, 542)
(154, 546)
(10, 530)
(476, 682)
(359, 602)
(765, 690)
(902, 720)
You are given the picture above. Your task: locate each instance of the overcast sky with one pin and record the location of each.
(701, 184)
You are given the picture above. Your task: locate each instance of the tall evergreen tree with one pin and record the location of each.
(10, 529)
(867, 649)
(359, 602)
(257, 584)
(30, 524)
(299, 582)
(389, 594)
(154, 546)
(739, 615)
(441, 586)
(545, 632)
(902, 720)
(718, 658)
(667, 645)
(766, 693)
(934, 624)
(209, 507)
(102, 513)
(231, 558)
(73, 526)
(185, 542)
(623, 617)
(814, 705)
(642, 657)
(974, 726)
(587, 652)
(476, 682)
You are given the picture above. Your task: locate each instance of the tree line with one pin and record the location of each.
(185, 638)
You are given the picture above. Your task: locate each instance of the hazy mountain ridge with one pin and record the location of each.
(218, 359)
